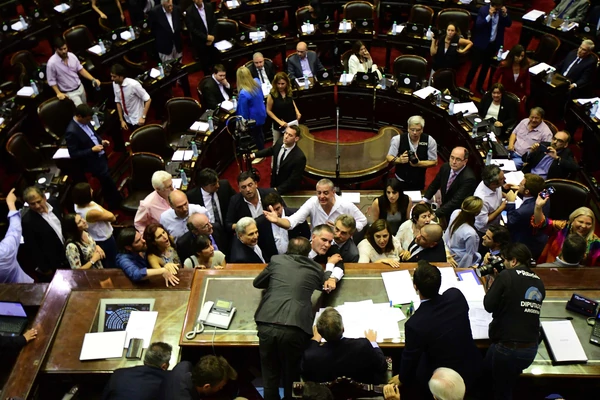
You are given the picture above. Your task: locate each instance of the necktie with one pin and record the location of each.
(215, 209)
(260, 75)
(413, 246)
(123, 100)
(280, 159)
(213, 242)
(575, 61)
(450, 180)
(562, 14)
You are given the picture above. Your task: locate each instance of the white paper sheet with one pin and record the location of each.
(347, 26)
(140, 326)
(399, 29)
(533, 15)
(95, 49)
(466, 108)
(257, 35)
(223, 45)
(563, 341)
(504, 54)
(471, 290)
(541, 67)
(295, 122)
(415, 195)
(18, 26)
(182, 155)
(353, 197)
(199, 126)
(25, 91)
(176, 183)
(449, 279)
(154, 73)
(232, 4)
(570, 27)
(227, 105)
(62, 152)
(61, 8)
(348, 77)
(266, 88)
(426, 91)
(1, 120)
(102, 345)
(514, 178)
(479, 320)
(399, 287)
(504, 164)
(126, 35)
(585, 101)
(308, 28)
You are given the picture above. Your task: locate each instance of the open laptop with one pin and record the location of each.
(367, 78)
(414, 29)
(364, 25)
(13, 319)
(327, 26)
(325, 75)
(275, 29)
(407, 81)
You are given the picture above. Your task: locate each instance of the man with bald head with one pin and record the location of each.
(262, 69)
(197, 224)
(428, 245)
(304, 62)
(175, 220)
(455, 181)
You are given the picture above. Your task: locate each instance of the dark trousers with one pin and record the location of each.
(258, 136)
(481, 58)
(109, 187)
(281, 348)
(504, 365)
(110, 251)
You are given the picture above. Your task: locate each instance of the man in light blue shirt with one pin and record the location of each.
(10, 270)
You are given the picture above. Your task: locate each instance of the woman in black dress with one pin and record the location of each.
(280, 104)
(446, 49)
(110, 11)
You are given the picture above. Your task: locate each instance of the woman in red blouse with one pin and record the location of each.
(514, 73)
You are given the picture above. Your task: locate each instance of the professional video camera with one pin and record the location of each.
(494, 263)
(241, 135)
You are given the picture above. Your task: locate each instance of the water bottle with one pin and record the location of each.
(211, 124)
(102, 47)
(394, 28)
(565, 24)
(194, 150)
(488, 157)
(438, 99)
(306, 84)
(344, 26)
(96, 121)
(451, 107)
(344, 78)
(474, 132)
(184, 181)
(161, 70)
(550, 19)
(429, 33)
(550, 76)
(594, 109)
(132, 33)
(500, 51)
(234, 102)
(22, 20)
(34, 87)
(383, 83)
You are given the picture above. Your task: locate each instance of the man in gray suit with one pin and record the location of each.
(284, 316)
(575, 10)
(344, 228)
(303, 62)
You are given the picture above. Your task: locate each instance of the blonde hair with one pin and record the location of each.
(245, 80)
(586, 212)
(469, 209)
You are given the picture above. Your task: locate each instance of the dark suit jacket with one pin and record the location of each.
(560, 168)
(436, 253)
(80, 148)
(464, 185)
(290, 281)
(439, 335)
(164, 36)
(349, 251)
(291, 170)
(238, 207)
(41, 241)
(356, 359)
(242, 254)
(483, 29)
(211, 94)
(576, 11)
(519, 224)
(135, 383)
(269, 69)
(199, 31)
(508, 114)
(322, 259)
(266, 241)
(582, 73)
(224, 193)
(178, 384)
(295, 69)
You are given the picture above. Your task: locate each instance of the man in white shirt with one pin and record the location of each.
(156, 203)
(262, 69)
(175, 219)
(323, 208)
(133, 102)
(215, 90)
(490, 191)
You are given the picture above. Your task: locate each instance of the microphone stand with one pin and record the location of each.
(337, 151)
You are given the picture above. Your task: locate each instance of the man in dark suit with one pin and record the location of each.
(142, 382)
(245, 248)
(304, 62)
(262, 69)
(455, 180)
(325, 252)
(438, 334)
(579, 67)
(42, 232)
(88, 149)
(215, 89)
(343, 229)
(555, 161)
(284, 316)
(246, 203)
(273, 239)
(165, 23)
(201, 23)
(518, 220)
(289, 161)
(487, 38)
(575, 10)
(358, 359)
(428, 246)
(197, 224)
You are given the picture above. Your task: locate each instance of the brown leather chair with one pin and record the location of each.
(458, 16)
(151, 139)
(546, 49)
(568, 196)
(182, 112)
(26, 59)
(102, 23)
(445, 79)
(302, 14)
(552, 127)
(30, 159)
(139, 182)
(55, 115)
(421, 14)
(225, 29)
(358, 9)
(411, 64)
(79, 38)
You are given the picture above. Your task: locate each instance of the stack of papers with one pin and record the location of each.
(61, 8)
(479, 319)
(140, 326)
(345, 27)
(101, 345)
(227, 105)
(258, 35)
(504, 164)
(426, 91)
(223, 45)
(533, 15)
(541, 67)
(154, 73)
(399, 288)
(182, 155)
(62, 152)
(126, 35)
(361, 316)
(95, 49)
(514, 178)
(398, 30)
(25, 91)
(348, 78)
(308, 28)
(18, 26)
(232, 4)
(199, 126)
(465, 108)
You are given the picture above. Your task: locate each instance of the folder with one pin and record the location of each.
(562, 343)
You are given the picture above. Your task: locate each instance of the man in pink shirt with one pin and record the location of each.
(156, 202)
(529, 131)
(63, 70)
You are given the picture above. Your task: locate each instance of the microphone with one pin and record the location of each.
(556, 317)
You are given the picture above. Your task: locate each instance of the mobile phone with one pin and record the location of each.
(547, 192)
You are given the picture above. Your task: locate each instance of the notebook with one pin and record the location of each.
(13, 319)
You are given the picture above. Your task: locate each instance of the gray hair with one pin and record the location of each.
(589, 43)
(447, 384)
(242, 224)
(256, 55)
(30, 191)
(538, 110)
(325, 182)
(416, 120)
(348, 221)
(159, 178)
(490, 174)
(317, 230)
(158, 354)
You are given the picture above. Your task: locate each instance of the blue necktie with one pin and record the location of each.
(562, 14)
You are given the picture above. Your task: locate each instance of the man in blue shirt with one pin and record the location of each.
(132, 259)
(10, 270)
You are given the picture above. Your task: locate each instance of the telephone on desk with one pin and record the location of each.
(217, 314)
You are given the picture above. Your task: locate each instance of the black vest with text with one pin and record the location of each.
(413, 177)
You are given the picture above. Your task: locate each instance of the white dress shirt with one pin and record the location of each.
(176, 226)
(169, 17)
(135, 97)
(311, 208)
(257, 210)
(281, 237)
(491, 201)
(207, 198)
(336, 272)
(222, 88)
(53, 221)
(202, 12)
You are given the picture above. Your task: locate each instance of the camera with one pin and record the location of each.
(241, 135)
(412, 157)
(547, 192)
(544, 146)
(494, 263)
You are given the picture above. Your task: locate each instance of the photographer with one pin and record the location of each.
(554, 161)
(515, 299)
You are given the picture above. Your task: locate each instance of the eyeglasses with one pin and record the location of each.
(452, 158)
(559, 140)
(415, 129)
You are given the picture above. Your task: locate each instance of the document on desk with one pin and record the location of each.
(25, 91)
(182, 155)
(426, 91)
(514, 178)
(449, 279)
(471, 290)
(504, 164)
(62, 152)
(154, 73)
(101, 345)
(352, 197)
(562, 342)
(466, 108)
(541, 67)
(415, 195)
(399, 288)
(176, 183)
(533, 15)
(140, 326)
(199, 126)
(479, 320)
(227, 105)
(586, 101)
(223, 45)
(96, 49)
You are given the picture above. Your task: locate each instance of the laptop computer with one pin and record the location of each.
(243, 37)
(327, 26)
(407, 81)
(367, 78)
(13, 319)
(325, 75)
(275, 29)
(414, 29)
(364, 25)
